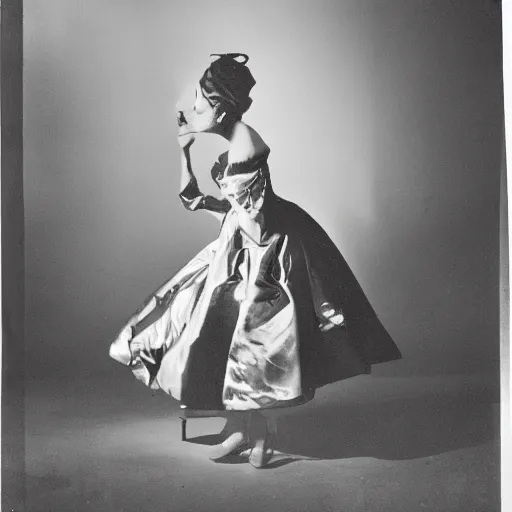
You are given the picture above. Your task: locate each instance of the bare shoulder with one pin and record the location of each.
(246, 143)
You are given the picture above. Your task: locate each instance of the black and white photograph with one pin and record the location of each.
(254, 255)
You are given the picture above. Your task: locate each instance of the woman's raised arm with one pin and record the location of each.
(191, 197)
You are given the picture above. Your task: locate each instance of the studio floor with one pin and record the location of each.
(368, 444)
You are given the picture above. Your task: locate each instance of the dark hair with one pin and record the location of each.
(228, 82)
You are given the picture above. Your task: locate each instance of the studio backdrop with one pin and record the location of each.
(384, 121)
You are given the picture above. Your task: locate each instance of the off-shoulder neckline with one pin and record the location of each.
(223, 159)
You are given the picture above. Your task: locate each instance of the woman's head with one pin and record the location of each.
(222, 95)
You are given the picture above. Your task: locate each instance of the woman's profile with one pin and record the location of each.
(266, 313)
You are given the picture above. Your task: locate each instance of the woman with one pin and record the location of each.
(266, 313)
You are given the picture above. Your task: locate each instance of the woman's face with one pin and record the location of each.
(202, 117)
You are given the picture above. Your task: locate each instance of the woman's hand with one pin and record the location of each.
(185, 141)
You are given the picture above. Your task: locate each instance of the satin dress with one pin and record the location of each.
(263, 316)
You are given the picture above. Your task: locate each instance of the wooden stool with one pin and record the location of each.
(187, 414)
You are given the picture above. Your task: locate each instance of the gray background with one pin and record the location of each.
(384, 120)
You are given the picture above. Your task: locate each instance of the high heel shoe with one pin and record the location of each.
(263, 450)
(236, 438)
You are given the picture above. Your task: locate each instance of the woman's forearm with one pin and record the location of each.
(187, 174)
(191, 197)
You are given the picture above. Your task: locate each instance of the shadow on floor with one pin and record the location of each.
(393, 430)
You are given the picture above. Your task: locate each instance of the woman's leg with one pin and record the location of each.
(264, 430)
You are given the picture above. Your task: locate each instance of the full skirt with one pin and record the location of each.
(255, 324)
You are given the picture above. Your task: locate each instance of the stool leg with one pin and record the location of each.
(183, 429)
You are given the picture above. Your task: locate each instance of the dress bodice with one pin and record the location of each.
(243, 185)
(222, 169)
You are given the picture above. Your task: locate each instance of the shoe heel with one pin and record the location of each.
(261, 452)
